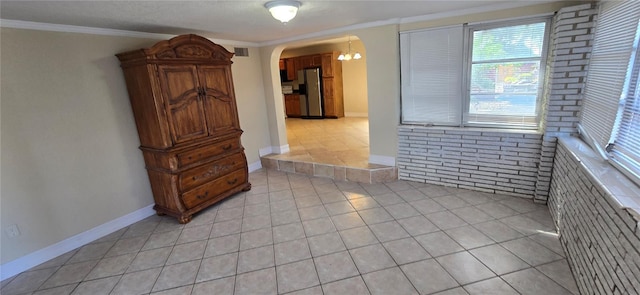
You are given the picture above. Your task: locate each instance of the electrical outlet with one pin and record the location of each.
(12, 230)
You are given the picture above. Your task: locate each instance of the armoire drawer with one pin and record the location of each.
(207, 172)
(193, 156)
(214, 188)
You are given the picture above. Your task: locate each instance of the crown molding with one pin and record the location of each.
(18, 24)
(397, 21)
(306, 37)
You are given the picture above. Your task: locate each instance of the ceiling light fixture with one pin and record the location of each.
(283, 10)
(347, 56)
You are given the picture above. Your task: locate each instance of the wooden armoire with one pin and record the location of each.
(183, 100)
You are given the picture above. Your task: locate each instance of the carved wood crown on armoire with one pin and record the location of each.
(182, 97)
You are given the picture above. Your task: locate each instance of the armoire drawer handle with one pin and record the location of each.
(201, 197)
(226, 147)
(230, 182)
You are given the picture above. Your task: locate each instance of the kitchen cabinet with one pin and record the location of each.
(331, 82)
(292, 105)
(332, 91)
(182, 97)
(290, 66)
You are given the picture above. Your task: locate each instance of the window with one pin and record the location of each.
(611, 113)
(506, 67)
(475, 75)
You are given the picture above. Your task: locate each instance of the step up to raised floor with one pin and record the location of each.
(372, 173)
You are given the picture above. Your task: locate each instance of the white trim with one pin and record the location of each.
(113, 32)
(18, 24)
(354, 114)
(281, 149)
(461, 12)
(382, 160)
(265, 151)
(38, 257)
(255, 166)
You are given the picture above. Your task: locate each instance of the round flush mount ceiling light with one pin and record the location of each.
(283, 10)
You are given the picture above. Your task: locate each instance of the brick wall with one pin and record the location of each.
(503, 162)
(496, 162)
(602, 241)
(567, 65)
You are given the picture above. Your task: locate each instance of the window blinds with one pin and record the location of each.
(431, 63)
(626, 138)
(613, 43)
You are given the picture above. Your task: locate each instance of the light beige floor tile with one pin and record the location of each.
(388, 231)
(469, 237)
(406, 250)
(28, 281)
(388, 281)
(438, 244)
(257, 282)
(69, 273)
(255, 258)
(498, 259)
(437, 280)
(353, 286)
(222, 286)
(177, 275)
(222, 245)
(111, 266)
(371, 258)
(491, 286)
(358, 237)
(465, 268)
(531, 252)
(291, 251)
(531, 281)
(296, 276)
(335, 267)
(97, 287)
(217, 267)
(560, 272)
(150, 259)
(187, 252)
(137, 282)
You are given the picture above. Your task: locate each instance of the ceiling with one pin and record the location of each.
(243, 21)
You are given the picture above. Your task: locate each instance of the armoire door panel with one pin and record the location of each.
(221, 114)
(185, 110)
(215, 78)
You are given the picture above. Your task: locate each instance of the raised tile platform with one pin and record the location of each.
(333, 148)
(371, 174)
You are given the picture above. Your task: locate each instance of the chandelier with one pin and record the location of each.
(348, 56)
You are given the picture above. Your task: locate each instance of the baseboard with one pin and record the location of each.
(38, 257)
(265, 151)
(281, 149)
(255, 166)
(358, 115)
(382, 160)
(273, 150)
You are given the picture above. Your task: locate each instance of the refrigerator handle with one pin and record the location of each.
(302, 89)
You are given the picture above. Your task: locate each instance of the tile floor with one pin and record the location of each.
(295, 234)
(342, 142)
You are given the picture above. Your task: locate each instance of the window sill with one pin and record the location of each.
(474, 129)
(621, 190)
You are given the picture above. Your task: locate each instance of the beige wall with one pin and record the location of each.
(354, 74)
(69, 149)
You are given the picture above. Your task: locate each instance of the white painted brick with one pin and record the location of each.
(572, 33)
(564, 15)
(562, 51)
(576, 8)
(587, 25)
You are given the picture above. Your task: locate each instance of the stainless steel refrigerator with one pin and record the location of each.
(310, 88)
